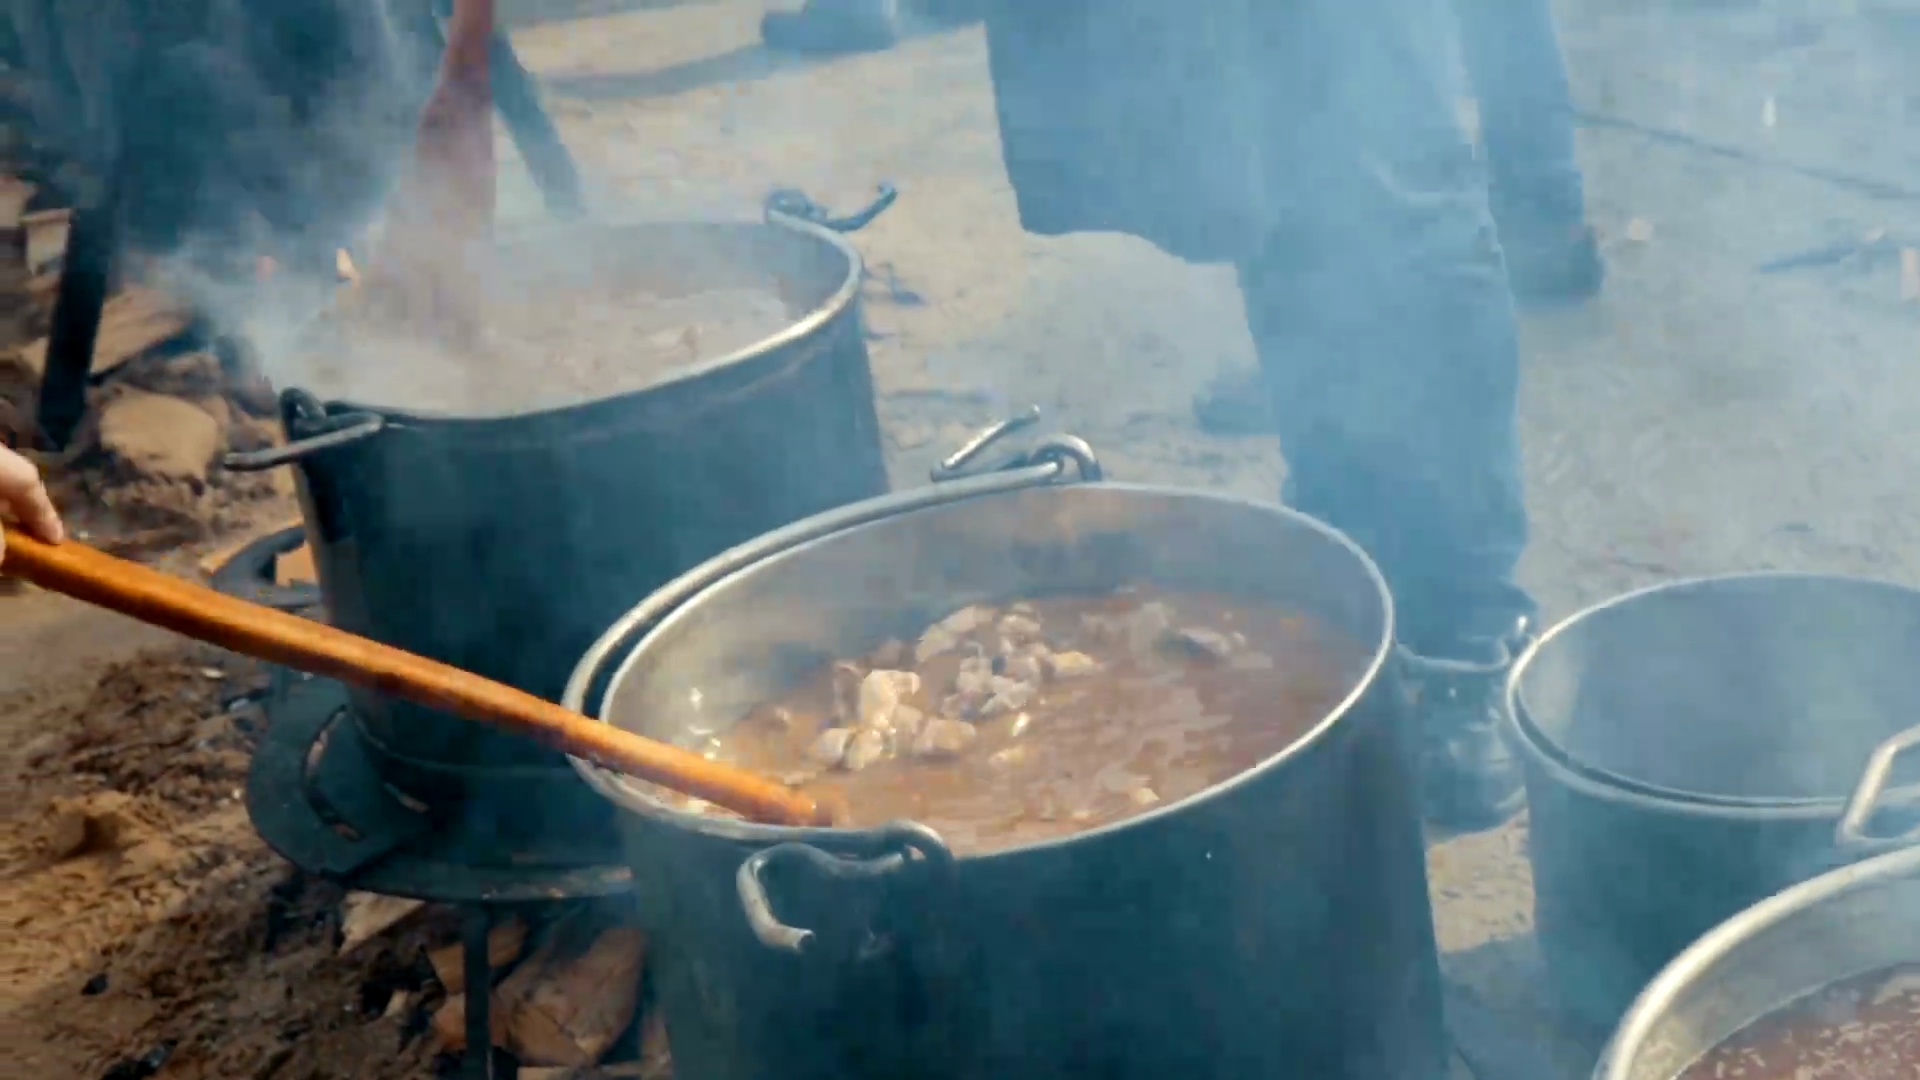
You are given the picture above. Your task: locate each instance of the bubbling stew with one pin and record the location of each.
(1005, 725)
(1864, 1028)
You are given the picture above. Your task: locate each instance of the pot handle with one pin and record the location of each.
(898, 847)
(962, 461)
(310, 430)
(794, 203)
(1851, 835)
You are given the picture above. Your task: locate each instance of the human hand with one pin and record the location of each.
(24, 497)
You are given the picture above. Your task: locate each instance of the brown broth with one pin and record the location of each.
(1864, 1028)
(1163, 718)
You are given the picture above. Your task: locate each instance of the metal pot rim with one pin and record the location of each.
(1607, 784)
(1729, 937)
(627, 798)
(801, 328)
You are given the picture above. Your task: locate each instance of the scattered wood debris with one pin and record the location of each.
(569, 1009)
(143, 469)
(504, 945)
(136, 321)
(565, 992)
(365, 916)
(565, 1004)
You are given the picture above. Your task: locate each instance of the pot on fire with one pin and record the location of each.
(1693, 748)
(1276, 924)
(505, 543)
(1847, 922)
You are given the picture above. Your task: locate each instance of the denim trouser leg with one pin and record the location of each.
(1380, 312)
(1513, 59)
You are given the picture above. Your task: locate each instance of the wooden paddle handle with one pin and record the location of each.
(453, 147)
(201, 613)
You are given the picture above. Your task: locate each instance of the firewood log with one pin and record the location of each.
(504, 943)
(566, 1009)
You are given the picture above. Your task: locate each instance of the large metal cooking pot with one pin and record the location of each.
(1690, 749)
(1847, 922)
(504, 544)
(1274, 925)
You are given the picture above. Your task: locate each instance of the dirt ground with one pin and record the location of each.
(143, 918)
(1700, 417)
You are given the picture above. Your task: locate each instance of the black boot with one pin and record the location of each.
(1470, 780)
(1552, 267)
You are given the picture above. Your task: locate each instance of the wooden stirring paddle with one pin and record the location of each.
(427, 270)
(201, 613)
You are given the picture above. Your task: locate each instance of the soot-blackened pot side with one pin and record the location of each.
(1278, 929)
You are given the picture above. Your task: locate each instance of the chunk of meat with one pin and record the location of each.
(1028, 665)
(1201, 643)
(1140, 630)
(867, 746)
(943, 738)
(907, 722)
(1073, 664)
(830, 746)
(1019, 629)
(1009, 695)
(949, 633)
(967, 620)
(881, 692)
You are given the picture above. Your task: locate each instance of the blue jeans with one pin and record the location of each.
(1380, 311)
(1513, 60)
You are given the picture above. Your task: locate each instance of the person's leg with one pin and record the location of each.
(1383, 323)
(1512, 55)
(1513, 58)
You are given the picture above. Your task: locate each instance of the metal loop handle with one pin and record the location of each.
(1069, 450)
(794, 203)
(1851, 834)
(1506, 650)
(310, 430)
(1059, 451)
(358, 426)
(903, 845)
(955, 465)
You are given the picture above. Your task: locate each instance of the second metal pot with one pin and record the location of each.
(1848, 922)
(1691, 749)
(503, 544)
